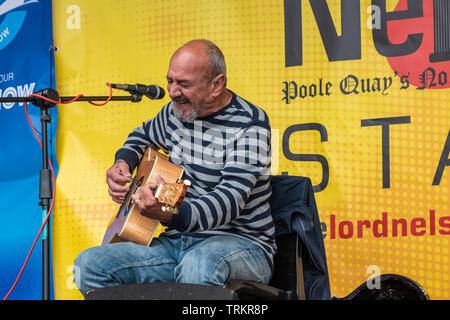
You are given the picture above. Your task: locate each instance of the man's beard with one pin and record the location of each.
(179, 113)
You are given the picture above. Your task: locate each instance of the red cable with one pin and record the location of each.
(107, 100)
(53, 175)
(76, 98)
(46, 218)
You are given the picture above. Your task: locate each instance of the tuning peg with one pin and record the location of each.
(173, 210)
(164, 208)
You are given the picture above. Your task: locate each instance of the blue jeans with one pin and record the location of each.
(210, 261)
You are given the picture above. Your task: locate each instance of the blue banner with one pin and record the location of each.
(26, 66)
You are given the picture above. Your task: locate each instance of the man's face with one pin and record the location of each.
(187, 84)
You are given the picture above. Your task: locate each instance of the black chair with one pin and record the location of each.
(300, 268)
(287, 278)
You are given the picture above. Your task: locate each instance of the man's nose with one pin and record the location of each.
(174, 90)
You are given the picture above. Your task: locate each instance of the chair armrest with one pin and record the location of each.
(248, 290)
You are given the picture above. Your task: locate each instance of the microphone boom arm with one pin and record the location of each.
(134, 97)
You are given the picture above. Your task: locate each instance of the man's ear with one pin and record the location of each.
(218, 84)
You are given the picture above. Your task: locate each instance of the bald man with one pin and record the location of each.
(224, 228)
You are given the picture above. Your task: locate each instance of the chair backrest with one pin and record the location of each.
(294, 211)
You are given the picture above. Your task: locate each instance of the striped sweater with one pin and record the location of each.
(226, 156)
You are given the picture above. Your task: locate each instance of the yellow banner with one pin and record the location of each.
(357, 96)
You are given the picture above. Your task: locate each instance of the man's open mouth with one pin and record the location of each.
(181, 101)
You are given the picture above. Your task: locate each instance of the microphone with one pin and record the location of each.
(152, 92)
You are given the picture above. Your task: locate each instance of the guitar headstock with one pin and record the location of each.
(171, 195)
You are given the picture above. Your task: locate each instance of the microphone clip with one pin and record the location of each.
(135, 97)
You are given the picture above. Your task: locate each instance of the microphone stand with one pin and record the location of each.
(45, 181)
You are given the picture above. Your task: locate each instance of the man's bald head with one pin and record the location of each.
(215, 58)
(196, 80)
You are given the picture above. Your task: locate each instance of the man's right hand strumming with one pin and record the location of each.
(117, 178)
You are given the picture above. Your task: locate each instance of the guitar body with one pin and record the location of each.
(129, 224)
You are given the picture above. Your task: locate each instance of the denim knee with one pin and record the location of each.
(217, 260)
(82, 268)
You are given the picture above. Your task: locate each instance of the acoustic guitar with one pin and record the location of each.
(129, 224)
